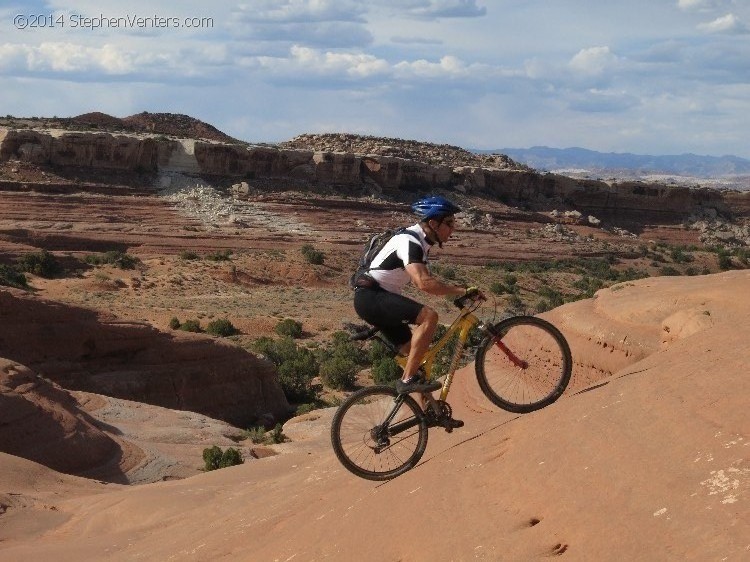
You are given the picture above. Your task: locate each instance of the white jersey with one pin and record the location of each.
(388, 265)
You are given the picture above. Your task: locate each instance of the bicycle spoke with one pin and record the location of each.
(525, 366)
(370, 451)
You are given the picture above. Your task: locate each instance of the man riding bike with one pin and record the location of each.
(378, 299)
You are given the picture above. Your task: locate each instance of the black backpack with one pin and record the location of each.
(360, 278)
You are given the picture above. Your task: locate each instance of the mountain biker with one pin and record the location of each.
(378, 299)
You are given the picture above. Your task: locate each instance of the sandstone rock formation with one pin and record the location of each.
(364, 164)
(648, 461)
(41, 422)
(82, 350)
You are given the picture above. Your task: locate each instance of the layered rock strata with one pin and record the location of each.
(302, 167)
(80, 349)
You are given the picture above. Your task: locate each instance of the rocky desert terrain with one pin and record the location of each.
(112, 230)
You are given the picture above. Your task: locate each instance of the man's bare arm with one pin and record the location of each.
(424, 281)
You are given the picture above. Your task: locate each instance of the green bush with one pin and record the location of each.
(214, 458)
(497, 288)
(112, 257)
(189, 255)
(219, 255)
(449, 273)
(296, 366)
(255, 434)
(191, 326)
(680, 256)
(386, 371)
(725, 262)
(174, 323)
(277, 435)
(669, 271)
(305, 408)
(289, 327)
(41, 263)
(311, 255)
(11, 277)
(338, 372)
(221, 327)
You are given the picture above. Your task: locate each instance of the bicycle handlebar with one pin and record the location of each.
(460, 302)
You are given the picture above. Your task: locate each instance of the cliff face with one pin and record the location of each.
(304, 167)
(81, 350)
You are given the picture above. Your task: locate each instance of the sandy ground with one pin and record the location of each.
(650, 461)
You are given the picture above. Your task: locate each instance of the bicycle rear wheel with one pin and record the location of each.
(524, 364)
(377, 434)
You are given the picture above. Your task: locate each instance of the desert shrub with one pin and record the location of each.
(296, 366)
(691, 271)
(112, 257)
(725, 262)
(542, 306)
(277, 434)
(515, 302)
(743, 254)
(551, 296)
(338, 372)
(449, 273)
(191, 326)
(386, 371)
(214, 458)
(311, 255)
(41, 263)
(497, 288)
(289, 327)
(221, 327)
(680, 256)
(510, 279)
(669, 271)
(588, 286)
(174, 323)
(255, 434)
(305, 408)
(189, 255)
(378, 352)
(11, 277)
(219, 255)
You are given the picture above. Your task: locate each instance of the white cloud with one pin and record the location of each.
(729, 24)
(301, 11)
(603, 101)
(448, 67)
(691, 4)
(435, 9)
(305, 61)
(593, 60)
(66, 58)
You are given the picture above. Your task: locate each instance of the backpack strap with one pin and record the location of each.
(399, 231)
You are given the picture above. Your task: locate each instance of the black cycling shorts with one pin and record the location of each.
(389, 312)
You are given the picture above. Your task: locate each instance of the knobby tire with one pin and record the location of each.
(384, 457)
(528, 369)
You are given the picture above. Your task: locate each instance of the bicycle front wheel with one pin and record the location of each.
(378, 434)
(524, 364)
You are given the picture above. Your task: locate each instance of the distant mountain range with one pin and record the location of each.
(582, 160)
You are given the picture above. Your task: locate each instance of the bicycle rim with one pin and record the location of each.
(525, 365)
(367, 449)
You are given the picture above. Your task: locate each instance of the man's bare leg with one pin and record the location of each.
(421, 337)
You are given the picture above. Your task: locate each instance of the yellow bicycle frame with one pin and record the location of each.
(461, 325)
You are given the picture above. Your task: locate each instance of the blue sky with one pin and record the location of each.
(642, 76)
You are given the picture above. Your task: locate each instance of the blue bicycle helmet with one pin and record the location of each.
(435, 207)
